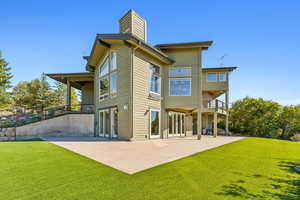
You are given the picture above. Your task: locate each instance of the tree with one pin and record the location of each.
(255, 117)
(61, 94)
(35, 95)
(289, 121)
(5, 84)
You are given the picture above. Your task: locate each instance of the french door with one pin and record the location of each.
(154, 123)
(114, 122)
(108, 123)
(176, 123)
(104, 123)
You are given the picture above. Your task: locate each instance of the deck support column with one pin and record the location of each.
(68, 99)
(227, 113)
(215, 124)
(200, 96)
(199, 124)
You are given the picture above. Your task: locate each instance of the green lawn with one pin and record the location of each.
(252, 168)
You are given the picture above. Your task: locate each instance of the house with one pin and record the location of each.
(139, 91)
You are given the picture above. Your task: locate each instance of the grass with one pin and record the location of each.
(252, 168)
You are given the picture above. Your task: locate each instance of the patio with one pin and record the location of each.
(135, 156)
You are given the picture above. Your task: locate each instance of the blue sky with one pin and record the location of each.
(262, 38)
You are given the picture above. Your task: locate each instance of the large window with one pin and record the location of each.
(216, 77)
(180, 81)
(222, 76)
(180, 71)
(104, 68)
(108, 76)
(180, 87)
(113, 82)
(154, 123)
(155, 79)
(212, 77)
(104, 88)
(113, 60)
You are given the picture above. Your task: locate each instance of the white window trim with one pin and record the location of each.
(107, 76)
(113, 92)
(159, 123)
(110, 67)
(217, 79)
(110, 71)
(151, 92)
(104, 124)
(171, 78)
(225, 75)
(170, 68)
(104, 59)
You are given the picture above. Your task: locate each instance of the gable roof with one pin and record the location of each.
(132, 39)
(203, 44)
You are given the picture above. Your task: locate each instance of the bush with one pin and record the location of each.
(255, 117)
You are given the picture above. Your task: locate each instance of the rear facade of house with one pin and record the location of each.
(139, 91)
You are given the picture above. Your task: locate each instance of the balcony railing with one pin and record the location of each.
(26, 116)
(218, 105)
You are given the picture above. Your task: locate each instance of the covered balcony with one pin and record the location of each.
(83, 82)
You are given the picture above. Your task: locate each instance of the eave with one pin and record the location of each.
(76, 79)
(103, 41)
(204, 45)
(229, 69)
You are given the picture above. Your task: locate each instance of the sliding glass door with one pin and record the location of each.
(114, 122)
(108, 123)
(176, 122)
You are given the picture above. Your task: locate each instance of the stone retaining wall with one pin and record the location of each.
(7, 134)
(66, 125)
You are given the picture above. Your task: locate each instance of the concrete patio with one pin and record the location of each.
(132, 157)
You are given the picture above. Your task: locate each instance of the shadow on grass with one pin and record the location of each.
(285, 187)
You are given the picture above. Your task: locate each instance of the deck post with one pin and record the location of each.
(200, 97)
(227, 113)
(68, 99)
(215, 124)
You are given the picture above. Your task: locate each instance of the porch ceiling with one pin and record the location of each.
(183, 110)
(77, 80)
(214, 93)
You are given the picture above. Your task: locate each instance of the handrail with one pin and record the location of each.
(26, 117)
(218, 105)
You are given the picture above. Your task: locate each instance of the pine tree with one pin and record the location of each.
(5, 84)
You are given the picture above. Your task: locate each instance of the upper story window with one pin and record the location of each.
(180, 71)
(216, 77)
(104, 69)
(108, 76)
(113, 60)
(180, 81)
(155, 80)
(222, 76)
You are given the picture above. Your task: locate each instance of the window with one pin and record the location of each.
(155, 79)
(216, 77)
(180, 71)
(154, 123)
(104, 68)
(113, 61)
(113, 82)
(222, 76)
(108, 76)
(212, 77)
(180, 87)
(180, 81)
(104, 87)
